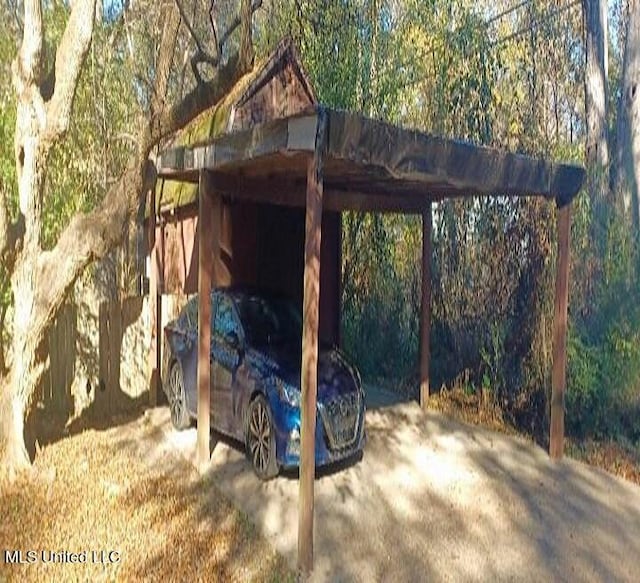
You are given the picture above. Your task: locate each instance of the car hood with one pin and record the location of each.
(335, 375)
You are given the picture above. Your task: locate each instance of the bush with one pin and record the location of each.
(604, 382)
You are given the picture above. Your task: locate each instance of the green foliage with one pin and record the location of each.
(603, 397)
(604, 383)
(439, 67)
(8, 184)
(7, 113)
(378, 303)
(82, 167)
(94, 151)
(493, 355)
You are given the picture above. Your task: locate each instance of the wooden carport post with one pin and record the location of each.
(559, 373)
(425, 306)
(155, 306)
(309, 365)
(209, 220)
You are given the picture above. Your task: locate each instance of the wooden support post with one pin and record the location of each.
(425, 306)
(339, 285)
(309, 374)
(160, 342)
(155, 304)
(207, 237)
(559, 374)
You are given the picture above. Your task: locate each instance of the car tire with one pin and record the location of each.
(260, 439)
(178, 398)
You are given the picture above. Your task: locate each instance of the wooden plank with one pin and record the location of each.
(425, 307)
(107, 386)
(66, 358)
(385, 156)
(339, 284)
(161, 235)
(55, 357)
(285, 191)
(154, 362)
(109, 383)
(329, 278)
(302, 132)
(224, 259)
(156, 381)
(115, 343)
(261, 140)
(309, 365)
(284, 57)
(205, 273)
(103, 345)
(407, 155)
(559, 373)
(279, 229)
(353, 200)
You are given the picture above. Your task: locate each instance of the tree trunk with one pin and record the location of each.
(28, 364)
(627, 177)
(597, 149)
(19, 392)
(41, 280)
(12, 410)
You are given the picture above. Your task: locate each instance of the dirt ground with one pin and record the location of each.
(438, 500)
(617, 456)
(137, 509)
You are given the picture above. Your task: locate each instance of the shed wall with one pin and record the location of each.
(261, 245)
(281, 96)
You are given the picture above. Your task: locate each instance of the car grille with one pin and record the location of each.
(341, 418)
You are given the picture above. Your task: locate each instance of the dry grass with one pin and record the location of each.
(470, 408)
(110, 491)
(613, 457)
(616, 458)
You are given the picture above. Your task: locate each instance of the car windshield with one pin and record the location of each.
(272, 321)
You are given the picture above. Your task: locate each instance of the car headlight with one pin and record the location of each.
(288, 393)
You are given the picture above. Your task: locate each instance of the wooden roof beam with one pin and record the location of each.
(287, 192)
(386, 157)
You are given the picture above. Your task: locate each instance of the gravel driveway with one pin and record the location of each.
(434, 499)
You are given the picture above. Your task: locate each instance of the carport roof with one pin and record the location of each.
(368, 165)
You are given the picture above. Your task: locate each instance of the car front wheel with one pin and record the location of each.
(260, 439)
(177, 398)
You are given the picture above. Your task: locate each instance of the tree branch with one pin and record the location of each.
(29, 61)
(201, 55)
(247, 54)
(201, 52)
(14, 7)
(89, 237)
(10, 233)
(201, 97)
(165, 59)
(626, 171)
(207, 93)
(214, 28)
(69, 59)
(238, 20)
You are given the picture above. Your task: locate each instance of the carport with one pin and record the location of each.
(323, 159)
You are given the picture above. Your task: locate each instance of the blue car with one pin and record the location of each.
(256, 340)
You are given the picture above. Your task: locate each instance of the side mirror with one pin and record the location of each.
(233, 340)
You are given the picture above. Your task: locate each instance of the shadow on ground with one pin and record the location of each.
(125, 490)
(435, 499)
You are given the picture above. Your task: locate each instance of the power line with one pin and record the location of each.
(507, 12)
(535, 23)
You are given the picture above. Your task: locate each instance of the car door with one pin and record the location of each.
(226, 354)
